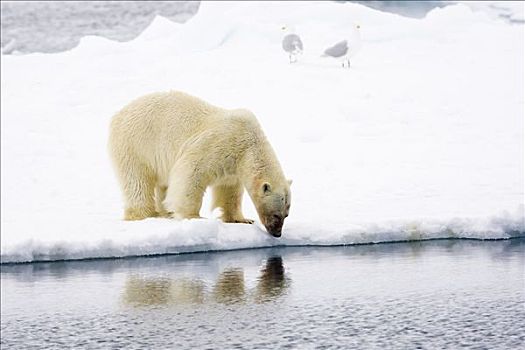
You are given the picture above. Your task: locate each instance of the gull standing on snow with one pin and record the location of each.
(345, 49)
(292, 44)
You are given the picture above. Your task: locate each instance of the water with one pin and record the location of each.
(54, 26)
(435, 294)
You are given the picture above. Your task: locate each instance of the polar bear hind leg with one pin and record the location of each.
(138, 184)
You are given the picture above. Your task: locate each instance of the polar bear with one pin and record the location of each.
(168, 147)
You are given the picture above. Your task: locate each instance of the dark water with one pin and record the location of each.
(54, 26)
(428, 295)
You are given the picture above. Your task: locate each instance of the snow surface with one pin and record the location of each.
(422, 138)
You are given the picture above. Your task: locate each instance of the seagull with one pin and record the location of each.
(347, 48)
(292, 44)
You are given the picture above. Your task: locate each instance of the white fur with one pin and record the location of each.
(168, 147)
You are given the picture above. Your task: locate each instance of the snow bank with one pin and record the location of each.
(422, 138)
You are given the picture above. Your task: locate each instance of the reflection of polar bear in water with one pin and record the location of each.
(229, 288)
(160, 291)
(272, 282)
(167, 148)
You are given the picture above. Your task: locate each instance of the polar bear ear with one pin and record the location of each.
(290, 182)
(266, 188)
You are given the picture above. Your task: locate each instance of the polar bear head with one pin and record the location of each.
(273, 205)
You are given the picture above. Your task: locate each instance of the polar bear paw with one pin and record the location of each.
(238, 221)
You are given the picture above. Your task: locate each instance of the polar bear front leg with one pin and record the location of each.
(229, 198)
(185, 191)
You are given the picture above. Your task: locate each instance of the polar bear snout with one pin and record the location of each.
(274, 225)
(276, 234)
